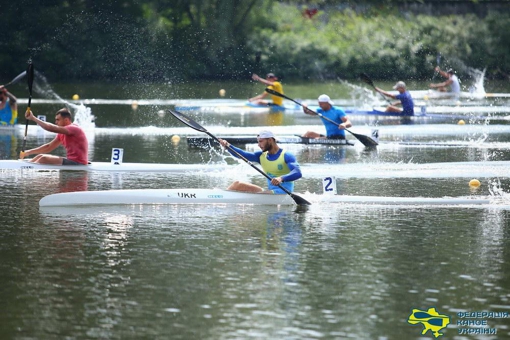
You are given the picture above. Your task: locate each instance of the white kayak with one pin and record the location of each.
(108, 166)
(220, 196)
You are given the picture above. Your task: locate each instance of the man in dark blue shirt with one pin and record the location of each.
(405, 99)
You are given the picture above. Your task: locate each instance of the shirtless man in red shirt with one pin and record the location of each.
(70, 135)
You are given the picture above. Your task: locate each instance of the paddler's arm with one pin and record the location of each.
(46, 125)
(260, 96)
(262, 80)
(45, 148)
(251, 156)
(308, 111)
(295, 169)
(12, 98)
(385, 93)
(346, 123)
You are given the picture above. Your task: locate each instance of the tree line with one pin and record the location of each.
(178, 40)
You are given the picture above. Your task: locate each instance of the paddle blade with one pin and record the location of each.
(18, 78)
(30, 76)
(365, 140)
(299, 200)
(438, 59)
(365, 78)
(186, 120)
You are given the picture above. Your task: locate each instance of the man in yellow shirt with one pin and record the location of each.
(272, 82)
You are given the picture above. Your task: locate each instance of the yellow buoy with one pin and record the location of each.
(222, 92)
(425, 97)
(134, 105)
(176, 139)
(474, 183)
(76, 97)
(461, 122)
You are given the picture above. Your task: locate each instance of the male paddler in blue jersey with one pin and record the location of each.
(8, 107)
(336, 114)
(278, 164)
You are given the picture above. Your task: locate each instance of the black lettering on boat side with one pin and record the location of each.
(186, 195)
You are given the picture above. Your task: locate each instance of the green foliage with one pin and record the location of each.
(385, 44)
(175, 40)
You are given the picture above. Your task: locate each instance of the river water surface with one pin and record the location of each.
(332, 271)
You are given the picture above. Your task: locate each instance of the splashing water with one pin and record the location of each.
(82, 114)
(477, 88)
(361, 97)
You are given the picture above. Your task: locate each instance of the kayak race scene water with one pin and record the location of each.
(181, 176)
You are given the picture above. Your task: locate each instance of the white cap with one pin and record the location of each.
(324, 98)
(265, 134)
(399, 84)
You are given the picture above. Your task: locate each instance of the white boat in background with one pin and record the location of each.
(457, 112)
(433, 94)
(108, 166)
(205, 141)
(220, 196)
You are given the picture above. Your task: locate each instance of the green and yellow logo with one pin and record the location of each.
(430, 319)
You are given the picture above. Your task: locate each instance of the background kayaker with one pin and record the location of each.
(451, 80)
(336, 114)
(278, 164)
(8, 107)
(405, 99)
(70, 135)
(272, 82)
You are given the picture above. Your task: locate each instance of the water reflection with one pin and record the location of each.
(70, 181)
(8, 145)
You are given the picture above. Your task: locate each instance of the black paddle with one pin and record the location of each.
(30, 80)
(365, 140)
(18, 78)
(257, 62)
(369, 81)
(438, 61)
(194, 125)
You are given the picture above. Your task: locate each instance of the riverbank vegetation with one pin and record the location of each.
(178, 40)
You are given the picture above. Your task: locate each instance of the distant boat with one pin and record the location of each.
(204, 141)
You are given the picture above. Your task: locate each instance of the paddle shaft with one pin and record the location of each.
(30, 81)
(362, 138)
(369, 81)
(18, 78)
(438, 61)
(257, 62)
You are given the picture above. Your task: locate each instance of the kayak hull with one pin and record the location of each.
(107, 166)
(220, 196)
